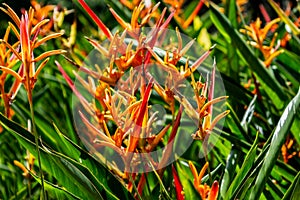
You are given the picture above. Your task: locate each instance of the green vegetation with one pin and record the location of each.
(87, 96)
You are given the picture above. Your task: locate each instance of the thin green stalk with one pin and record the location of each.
(205, 144)
(5, 101)
(36, 136)
(134, 187)
(29, 182)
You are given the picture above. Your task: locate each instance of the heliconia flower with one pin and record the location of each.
(288, 150)
(7, 61)
(131, 112)
(259, 34)
(134, 26)
(29, 165)
(177, 6)
(204, 190)
(178, 185)
(28, 40)
(41, 13)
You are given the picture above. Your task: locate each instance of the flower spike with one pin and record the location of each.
(101, 25)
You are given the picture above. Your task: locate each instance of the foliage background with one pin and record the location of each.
(257, 135)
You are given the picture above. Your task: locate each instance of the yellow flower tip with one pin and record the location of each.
(11, 72)
(49, 53)
(272, 56)
(21, 166)
(218, 118)
(124, 24)
(11, 13)
(197, 181)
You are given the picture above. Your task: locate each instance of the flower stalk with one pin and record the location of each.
(27, 31)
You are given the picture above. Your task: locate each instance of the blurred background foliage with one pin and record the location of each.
(255, 129)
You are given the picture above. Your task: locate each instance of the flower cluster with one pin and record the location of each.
(27, 31)
(119, 114)
(203, 189)
(259, 35)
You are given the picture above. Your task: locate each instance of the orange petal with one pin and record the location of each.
(213, 194)
(193, 15)
(201, 174)
(195, 174)
(11, 13)
(101, 25)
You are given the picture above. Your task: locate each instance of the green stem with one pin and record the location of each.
(36, 136)
(205, 144)
(134, 187)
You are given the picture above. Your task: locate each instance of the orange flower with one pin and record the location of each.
(127, 69)
(134, 26)
(259, 35)
(41, 13)
(287, 150)
(8, 60)
(28, 40)
(29, 164)
(203, 189)
(178, 7)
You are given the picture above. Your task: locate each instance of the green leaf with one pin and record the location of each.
(285, 170)
(236, 185)
(231, 163)
(296, 128)
(105, 179)
(294, 190)
(233, 62)
(63, 170)
(248, 114)
(221, 28)
(278, 139)
(267, 81)
(284, 17)
(55, 191)
(274, 189)
(286, 57)
(68, 148)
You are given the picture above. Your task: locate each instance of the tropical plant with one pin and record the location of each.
(128, 106)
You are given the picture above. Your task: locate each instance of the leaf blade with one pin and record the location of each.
(278, 139)
(270, 85)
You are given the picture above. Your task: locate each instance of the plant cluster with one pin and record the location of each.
(124, 105)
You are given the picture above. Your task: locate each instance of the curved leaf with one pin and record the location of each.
(293, 191)
(278, 139)
(267, 81)
(64, 171)
(243, 172)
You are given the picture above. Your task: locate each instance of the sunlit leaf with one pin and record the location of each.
(268, 82)
(278, 139)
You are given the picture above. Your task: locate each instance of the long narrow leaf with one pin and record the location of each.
(293, 191)
(284, 17)
(65, 172)
(242, 173)
(270, 85)
(278, 139)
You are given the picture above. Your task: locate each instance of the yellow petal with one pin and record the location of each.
(214, 101)
(48, 37)
(49, 53)
(201, 174)
(11, 13)
(197, 181)
(11, 72)
(41, 66)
